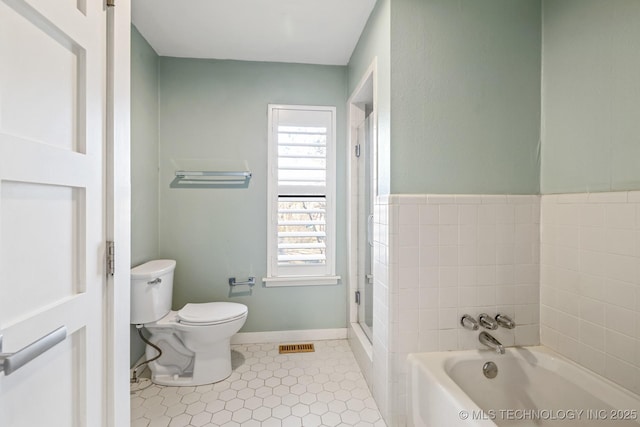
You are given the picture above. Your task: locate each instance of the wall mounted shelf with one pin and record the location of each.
(214, 176)
(210, 173)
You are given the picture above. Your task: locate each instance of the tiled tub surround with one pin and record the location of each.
(323, 388)
(590, 281)
(440, 256)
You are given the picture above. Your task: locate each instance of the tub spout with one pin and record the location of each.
(488, 340)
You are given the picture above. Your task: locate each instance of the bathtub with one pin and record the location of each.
(534, 387)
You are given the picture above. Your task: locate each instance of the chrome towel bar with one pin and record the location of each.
(207, 176)
(245, 174)
(11, 362)
(204, 174)
(250, 282)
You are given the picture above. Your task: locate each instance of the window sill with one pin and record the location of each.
(272, 282)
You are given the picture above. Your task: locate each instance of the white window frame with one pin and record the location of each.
(278, 276)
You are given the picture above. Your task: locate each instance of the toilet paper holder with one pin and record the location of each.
(250, 282)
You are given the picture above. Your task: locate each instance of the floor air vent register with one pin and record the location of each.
(295, 348)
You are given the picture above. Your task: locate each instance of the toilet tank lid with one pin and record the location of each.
(152, 269)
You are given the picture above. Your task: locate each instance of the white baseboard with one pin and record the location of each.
(289, 336)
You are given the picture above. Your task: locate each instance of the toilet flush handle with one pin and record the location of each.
(155, 281)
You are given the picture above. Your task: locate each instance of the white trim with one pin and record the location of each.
(328, 270)
(277, 337)
(371, 71)
(118, 215)
(272, 282)
(362, 339)
(362, 351)
(354, 115)
(289, 336)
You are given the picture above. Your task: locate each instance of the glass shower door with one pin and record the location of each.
(364, 294)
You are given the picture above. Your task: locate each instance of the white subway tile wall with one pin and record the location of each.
(441, 256)
(381, 379)
(590, 282)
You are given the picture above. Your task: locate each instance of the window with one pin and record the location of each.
(302, 190)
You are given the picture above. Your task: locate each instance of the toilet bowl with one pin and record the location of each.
(195, 341)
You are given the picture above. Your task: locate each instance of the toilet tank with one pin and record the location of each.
(151, 290)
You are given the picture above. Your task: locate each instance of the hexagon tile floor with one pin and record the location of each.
(323, 388)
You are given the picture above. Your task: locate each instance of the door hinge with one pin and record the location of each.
(358, 297)
(111, 3)
(358, 150)
(111, 258)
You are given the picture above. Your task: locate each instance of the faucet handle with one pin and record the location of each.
(487, 322)
(505, 321)
(469, 322)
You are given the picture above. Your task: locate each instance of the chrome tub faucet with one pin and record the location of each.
(487, 322)
(505, 321)
(488, 340)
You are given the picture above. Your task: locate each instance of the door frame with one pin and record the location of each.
(355, 115)
(118, 215)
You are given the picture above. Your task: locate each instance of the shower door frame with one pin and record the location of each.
(367, 90)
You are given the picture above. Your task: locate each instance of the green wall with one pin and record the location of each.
(374, 44)
(144, 160)
(144, 150)
(465, 84)
(505, 96)
(591, 96)
(459, 111)
(216, 109)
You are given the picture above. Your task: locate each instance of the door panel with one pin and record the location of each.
(44, 55)
(32, 384)
(52, 204)
(43, 222)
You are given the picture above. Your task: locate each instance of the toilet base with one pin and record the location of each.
(173, 381)
(210, 366)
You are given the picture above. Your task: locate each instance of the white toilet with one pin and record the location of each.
(195, 341)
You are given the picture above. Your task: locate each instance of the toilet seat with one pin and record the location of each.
(210, 313)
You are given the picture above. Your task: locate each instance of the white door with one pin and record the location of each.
(52, 212)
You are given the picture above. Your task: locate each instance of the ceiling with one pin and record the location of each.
(297, 31)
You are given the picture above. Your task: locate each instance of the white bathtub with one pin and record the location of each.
(534, 387)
